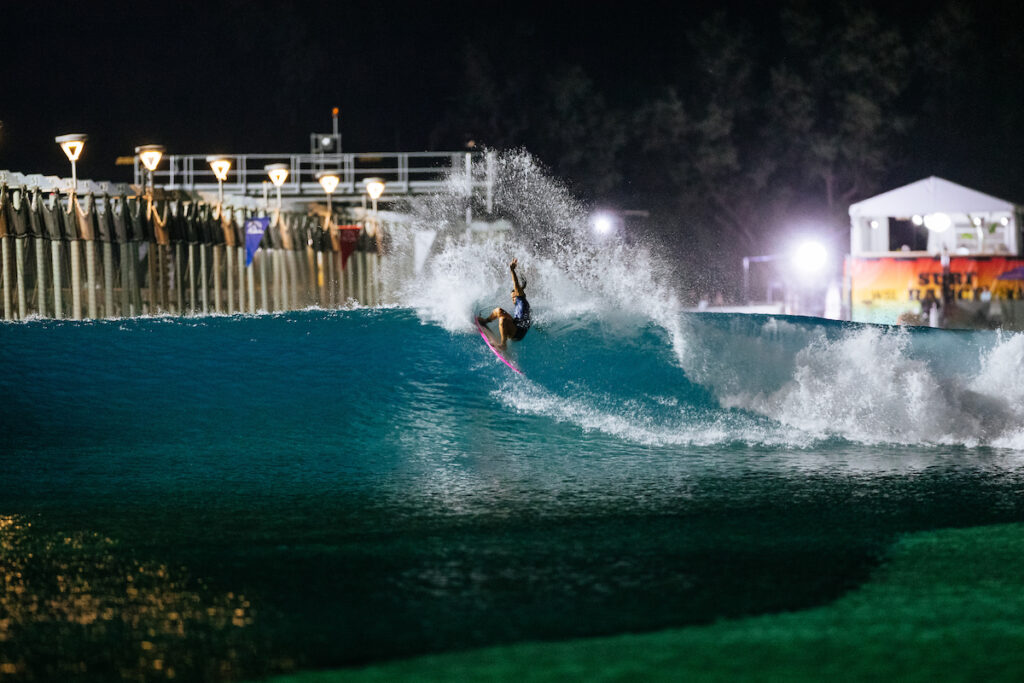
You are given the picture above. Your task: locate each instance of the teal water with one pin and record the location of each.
(230, 497)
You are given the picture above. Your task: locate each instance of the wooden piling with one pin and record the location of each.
(126, 279)
(76, 280)
(261, 255)
(284, 280)
(108, 280)
(191, 279)
(204, 283)
(230, 273)
(58, 286)
(251, 278)
(216, 278)
(19, 278)
(41, 276)
(8, 295)
(179, 284)
(136, 281)
(242, 280)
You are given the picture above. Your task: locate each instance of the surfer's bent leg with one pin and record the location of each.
(507, 326)
(497, 313)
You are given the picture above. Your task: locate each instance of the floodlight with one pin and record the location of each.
(602, 224)
(809, 257)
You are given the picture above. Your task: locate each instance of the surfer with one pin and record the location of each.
(515, 325)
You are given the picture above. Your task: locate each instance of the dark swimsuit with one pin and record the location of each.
(521, 317)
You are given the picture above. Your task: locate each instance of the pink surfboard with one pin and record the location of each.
(492, 344)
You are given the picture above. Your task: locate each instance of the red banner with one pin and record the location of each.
(347, 239)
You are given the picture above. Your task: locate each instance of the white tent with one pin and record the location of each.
(970, 213)
(931, 195)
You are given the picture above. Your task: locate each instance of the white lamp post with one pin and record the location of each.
(150, 156)
(278, 175)
(72, 144)
(220, 165)
(329, 181)
(374, 188)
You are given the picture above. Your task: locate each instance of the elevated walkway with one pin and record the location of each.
(404, 173)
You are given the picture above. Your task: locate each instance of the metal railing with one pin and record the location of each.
(402, 172)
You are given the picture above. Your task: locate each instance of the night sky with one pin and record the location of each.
(232, 76)
(261, 76)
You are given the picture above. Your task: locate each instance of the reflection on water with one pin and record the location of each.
(75, 606)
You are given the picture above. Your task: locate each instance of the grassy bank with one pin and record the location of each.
(945, 605)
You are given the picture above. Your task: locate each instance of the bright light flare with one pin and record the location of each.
(810, 257)
(603, 224)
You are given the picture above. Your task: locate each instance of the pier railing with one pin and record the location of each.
(402, 172)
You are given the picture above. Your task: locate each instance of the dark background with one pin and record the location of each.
(728, 122)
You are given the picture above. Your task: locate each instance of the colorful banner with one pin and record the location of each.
(884, 289)
(254, 229)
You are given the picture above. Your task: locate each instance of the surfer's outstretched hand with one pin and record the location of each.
(515, 262)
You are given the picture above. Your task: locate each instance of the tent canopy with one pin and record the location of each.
(930, 195)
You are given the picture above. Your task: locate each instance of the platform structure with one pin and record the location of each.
(404, 173)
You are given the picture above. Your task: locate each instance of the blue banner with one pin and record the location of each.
(254, 229)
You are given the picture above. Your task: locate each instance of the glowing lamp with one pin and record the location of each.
(938, 222)
(328, 180)
(374, 187)
(278, 173)
(810, 257)
(220, 166)
(150, 156)
(72, 144)
(917, 219)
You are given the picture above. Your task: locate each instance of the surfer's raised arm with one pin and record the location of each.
(515, 279)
